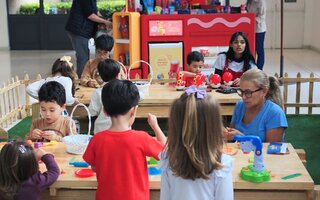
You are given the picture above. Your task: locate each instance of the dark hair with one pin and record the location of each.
(119, 96)
(194, 56)
(195, 137)
(52, 91)
(104, 42)
(246, 55)
(17, 163)
(108, 69)
(66, 70)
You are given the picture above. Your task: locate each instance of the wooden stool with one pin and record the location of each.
(316, 192)
(302, 155)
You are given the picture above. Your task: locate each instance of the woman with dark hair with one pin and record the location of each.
(237, 59)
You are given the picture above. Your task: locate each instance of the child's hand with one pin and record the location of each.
(50, 135)
(152, 121)
(39, 153)
(36, 134)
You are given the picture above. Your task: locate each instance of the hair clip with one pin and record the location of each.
(22, 148)
(67, 59)
(200, 94)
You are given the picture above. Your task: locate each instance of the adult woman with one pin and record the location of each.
(81, 26)
(260, 110)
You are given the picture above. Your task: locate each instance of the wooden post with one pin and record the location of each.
(298, 92)
(310, 100)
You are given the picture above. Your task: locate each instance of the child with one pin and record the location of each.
(193, 165)
(20, 177)
(53, 126)
(118, 155)
(237, 59)
(90, 76)
(62, 72)
(195, 61)
(108, 69)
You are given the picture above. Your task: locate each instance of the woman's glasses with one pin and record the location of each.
(247, 93)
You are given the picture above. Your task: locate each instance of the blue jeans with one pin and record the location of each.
(80, 45)
(260, 49)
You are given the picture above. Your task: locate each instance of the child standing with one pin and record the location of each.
(118, 155)
(62, 72)
(52, 125)
(237, 59)
(20, 177)
(195, 61)
(193, 164)
(90, 76)
(108, 69)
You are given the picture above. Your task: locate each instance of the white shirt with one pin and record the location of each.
(259, 7)
(234, 66)
(34, 87)
(103, 122)
(218, 187)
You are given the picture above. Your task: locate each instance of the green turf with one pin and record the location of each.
(303, 133)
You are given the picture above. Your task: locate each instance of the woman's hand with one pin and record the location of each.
(231, 132)
(236, 82)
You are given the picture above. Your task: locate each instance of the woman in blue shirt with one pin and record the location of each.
(260, 110)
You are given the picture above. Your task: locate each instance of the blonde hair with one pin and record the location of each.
(195, 138)
(262, 80)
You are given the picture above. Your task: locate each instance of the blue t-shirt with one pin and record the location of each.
(270, 116)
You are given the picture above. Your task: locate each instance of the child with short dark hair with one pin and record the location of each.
(90, 76)
(118, 155)
(195, 62)
(52, 125)
(62, 71)
(20, 177)
(193, 165)
(108, 69)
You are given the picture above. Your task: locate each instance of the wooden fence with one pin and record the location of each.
(297, 102)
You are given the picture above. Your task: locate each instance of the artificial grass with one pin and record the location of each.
(302, 133)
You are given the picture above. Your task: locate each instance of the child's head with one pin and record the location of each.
(104, 44)
(195, 61)
(119, 97)
(52, 98)
(109, 69)
(64, 67)
(18, 162)
(195, 138)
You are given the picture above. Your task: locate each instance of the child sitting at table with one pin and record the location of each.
(90, 76)
(195, 61)
(193, 165)
(108, 69)
(118, 155)
(52, 125)
(237, 59)
(62, 71)
(20, 177)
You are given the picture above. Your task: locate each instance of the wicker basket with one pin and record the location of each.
(143, 86)
(76, 143)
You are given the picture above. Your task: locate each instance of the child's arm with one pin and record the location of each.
(34, 133)
(153, 122)
(47, 178)
(86, 77)
(51, 135)
(188, 74)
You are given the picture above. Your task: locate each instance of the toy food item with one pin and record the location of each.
(84, 173)
(215, 79)
(199, 79)
(227, 77)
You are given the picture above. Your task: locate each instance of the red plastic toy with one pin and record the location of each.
(227, 77)
(216, 79)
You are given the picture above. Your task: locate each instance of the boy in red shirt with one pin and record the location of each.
(118, 155)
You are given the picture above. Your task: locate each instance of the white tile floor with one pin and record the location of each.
(18, 63)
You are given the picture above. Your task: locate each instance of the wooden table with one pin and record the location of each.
(299, 188)
(160, 97)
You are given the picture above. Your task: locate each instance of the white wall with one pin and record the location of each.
(4, 35)
(315, 26)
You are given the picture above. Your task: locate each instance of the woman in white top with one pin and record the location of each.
(237, 59)
(62, 72)
(193, 165)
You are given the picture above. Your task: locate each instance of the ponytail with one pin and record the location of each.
(274, 93)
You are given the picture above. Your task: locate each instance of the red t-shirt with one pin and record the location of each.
(120, 162)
